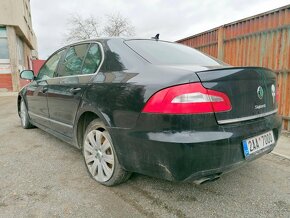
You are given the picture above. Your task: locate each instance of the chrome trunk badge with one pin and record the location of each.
(260, 92)
(273, 89)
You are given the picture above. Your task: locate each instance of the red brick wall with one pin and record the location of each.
(36, 65)
(6, 82)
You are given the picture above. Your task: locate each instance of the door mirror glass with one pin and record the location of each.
(27, 74)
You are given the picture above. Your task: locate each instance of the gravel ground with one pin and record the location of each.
(41, 176)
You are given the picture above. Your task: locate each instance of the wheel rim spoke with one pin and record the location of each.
(106, 169)
(92, 140)
(90, 158)
(100, 172)
(94, 168)
(99, 136)
(108, 158)
(105, 145)
(88, 148)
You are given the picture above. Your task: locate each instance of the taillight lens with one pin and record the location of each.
(190, 98)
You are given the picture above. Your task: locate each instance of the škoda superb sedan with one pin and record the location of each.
(153, 107)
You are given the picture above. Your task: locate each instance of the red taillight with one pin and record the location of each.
(190, 98)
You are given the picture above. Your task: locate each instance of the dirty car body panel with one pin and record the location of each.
(167, 144)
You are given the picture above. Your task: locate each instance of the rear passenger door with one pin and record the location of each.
(74, 73)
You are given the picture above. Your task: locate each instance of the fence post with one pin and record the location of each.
(221, 43)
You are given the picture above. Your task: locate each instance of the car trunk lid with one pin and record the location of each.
(251, 90)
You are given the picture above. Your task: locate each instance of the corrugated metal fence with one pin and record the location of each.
(261, 40)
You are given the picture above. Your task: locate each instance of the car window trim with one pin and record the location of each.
(63, 57)
(98, 69)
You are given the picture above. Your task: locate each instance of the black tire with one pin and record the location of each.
(119, 175)
(24, 117)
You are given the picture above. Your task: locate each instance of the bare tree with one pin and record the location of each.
(117, 25)
(88, 28)
(82, 28)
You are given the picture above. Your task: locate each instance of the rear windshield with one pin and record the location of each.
(167, 53)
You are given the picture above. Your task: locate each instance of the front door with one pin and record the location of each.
(66, 89)
(36, 95)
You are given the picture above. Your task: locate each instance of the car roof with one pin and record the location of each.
(101, 39)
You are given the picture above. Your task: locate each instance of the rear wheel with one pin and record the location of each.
(100, 156)
(24, 116)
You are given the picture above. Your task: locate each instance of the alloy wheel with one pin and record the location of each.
(99, 157)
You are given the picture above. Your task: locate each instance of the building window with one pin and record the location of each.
(20, 51)
(4, 52)
(27, 15)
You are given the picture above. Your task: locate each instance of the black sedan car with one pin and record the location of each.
(153, 107)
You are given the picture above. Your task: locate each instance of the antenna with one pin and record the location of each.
(156, 37)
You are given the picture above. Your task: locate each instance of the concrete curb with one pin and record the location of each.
(280, 155)
(5, 94)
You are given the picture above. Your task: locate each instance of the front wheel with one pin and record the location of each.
(100, 156)
(24, 116)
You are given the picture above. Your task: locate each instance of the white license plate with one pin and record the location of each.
(254, 144)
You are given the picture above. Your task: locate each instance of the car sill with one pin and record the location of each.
(54, 121)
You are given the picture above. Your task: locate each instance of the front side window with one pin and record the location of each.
(93, 59)
(72, 63)
(49, 68)
(20, 51)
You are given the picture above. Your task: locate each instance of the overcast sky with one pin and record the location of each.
(173, 19)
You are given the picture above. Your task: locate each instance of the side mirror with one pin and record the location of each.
(27, 74)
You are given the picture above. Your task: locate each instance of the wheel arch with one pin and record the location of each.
(85, 115)
(83, 121)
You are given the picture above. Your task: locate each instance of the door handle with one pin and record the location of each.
(74, 90)
(44, 89)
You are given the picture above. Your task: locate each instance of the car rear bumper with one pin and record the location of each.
(185, 155)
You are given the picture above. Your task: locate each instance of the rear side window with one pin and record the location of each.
(166, 53)
(92, 60)
(73, 60)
